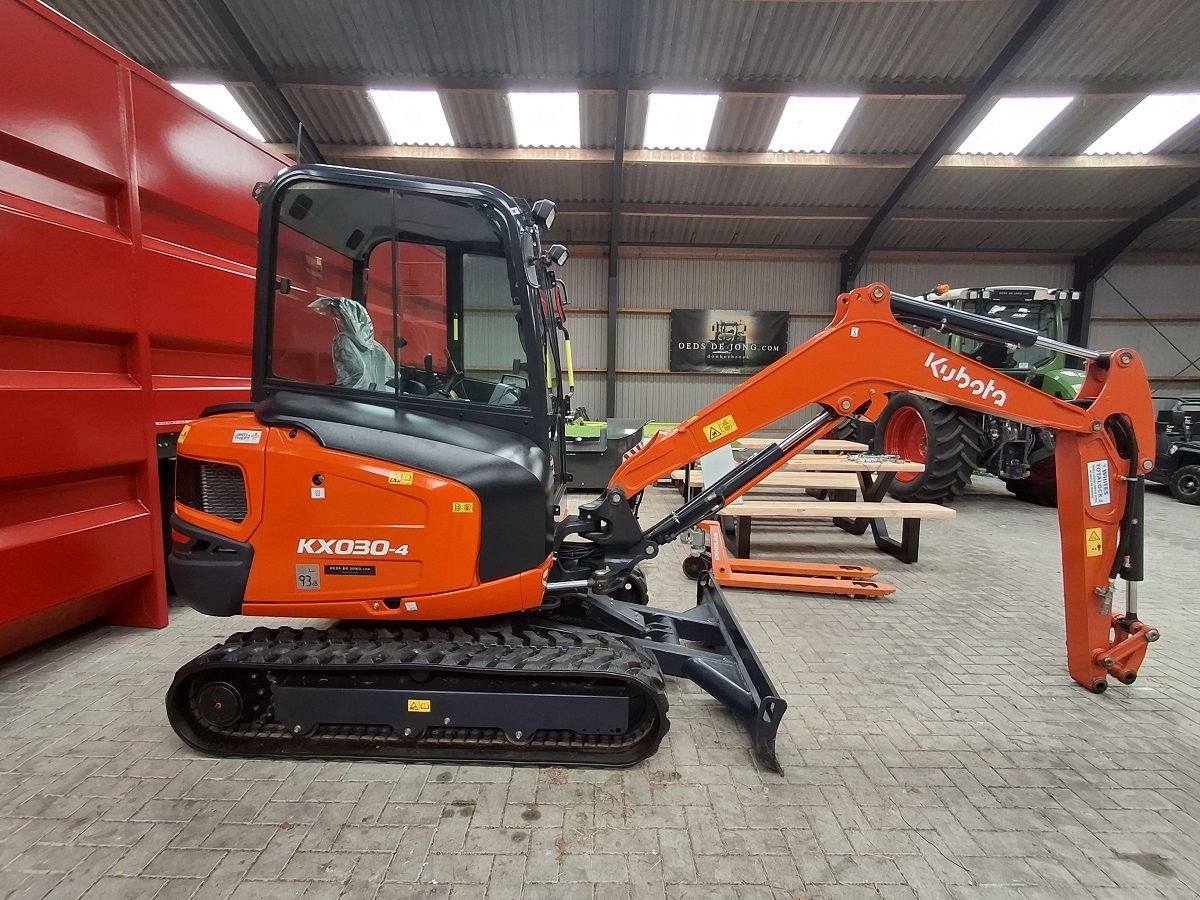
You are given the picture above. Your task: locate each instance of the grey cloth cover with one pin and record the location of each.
(358, 359)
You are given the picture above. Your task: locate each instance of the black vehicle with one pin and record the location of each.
(1177, 464)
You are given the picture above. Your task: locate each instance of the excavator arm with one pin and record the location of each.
(1104, 447)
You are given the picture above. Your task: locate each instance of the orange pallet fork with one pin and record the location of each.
(804, 578)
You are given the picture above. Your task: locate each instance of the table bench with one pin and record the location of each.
(854, 517)
(823, 445)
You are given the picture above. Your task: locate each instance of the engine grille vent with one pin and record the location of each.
(212, 488)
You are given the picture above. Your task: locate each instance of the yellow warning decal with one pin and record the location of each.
(420, 705)
(462, 507)
(183, 434)
(714, 431)
(400, 477)
(1095, 542)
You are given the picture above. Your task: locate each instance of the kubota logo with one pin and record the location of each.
(347, 547)
(964, 381)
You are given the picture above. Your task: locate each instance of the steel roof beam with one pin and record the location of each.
(253, 69)
(966, 115)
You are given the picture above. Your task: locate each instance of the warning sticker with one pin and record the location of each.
(400, 477)
(1095, 542)
(714, 431)
(1099, 486)
(416, 706)
(459, 507)
(183, 434)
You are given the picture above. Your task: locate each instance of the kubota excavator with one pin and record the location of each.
(401, 468)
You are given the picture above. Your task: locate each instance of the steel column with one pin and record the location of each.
(624, 48)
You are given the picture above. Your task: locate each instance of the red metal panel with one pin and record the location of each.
(60, 96)
(128, 234)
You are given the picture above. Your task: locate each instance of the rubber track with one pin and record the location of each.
(544, 651)
(955, 443)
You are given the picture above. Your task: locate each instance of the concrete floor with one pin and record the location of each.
(934, 747)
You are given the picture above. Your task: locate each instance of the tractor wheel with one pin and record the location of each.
(947, 439)
(1185, 484)
(853, 430)
(1040, 486)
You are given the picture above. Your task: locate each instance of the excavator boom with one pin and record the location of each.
(1105, 446)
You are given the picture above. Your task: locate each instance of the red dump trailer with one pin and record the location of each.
(127, 242)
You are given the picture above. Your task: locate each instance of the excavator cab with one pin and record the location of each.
(405, 385)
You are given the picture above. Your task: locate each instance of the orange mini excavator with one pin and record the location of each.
(401, 466)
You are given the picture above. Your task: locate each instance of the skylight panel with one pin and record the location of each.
(1148, 124)
(679, 121)
(413, 117)
(217, 99)
(811, 124)
(1013, 123)
(545, 118)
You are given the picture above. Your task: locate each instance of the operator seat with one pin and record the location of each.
(358, 359)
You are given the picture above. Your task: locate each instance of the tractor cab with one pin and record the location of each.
(1039, 308)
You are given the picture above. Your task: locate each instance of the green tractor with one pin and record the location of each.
(954, 443)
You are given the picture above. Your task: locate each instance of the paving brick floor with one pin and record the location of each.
(934, 747)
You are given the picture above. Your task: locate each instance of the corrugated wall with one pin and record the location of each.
(1153, 309)
(650, 288)
(807, 287)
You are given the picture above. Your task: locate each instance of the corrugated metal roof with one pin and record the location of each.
(1187, 140)
(758, 186)
(337, 116)
(821, 42)
(1084, 120)
(479, 118)
(894, 126)
(561, 182)
(1117, 40)
(532, 38)
(807, 45)
(1171, 235)
(160, 34)
(1045, 189)
(732, 232)
(745, 123)
(908, 234)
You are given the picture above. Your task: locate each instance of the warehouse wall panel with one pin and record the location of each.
(1166, 296)
(807, 288)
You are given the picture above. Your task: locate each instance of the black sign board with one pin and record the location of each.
(726, 340)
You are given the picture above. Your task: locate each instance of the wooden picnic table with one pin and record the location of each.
(804, 480)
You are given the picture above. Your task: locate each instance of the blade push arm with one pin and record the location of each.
(1105, 444)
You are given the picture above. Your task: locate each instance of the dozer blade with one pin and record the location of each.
(724, 663)
(496, 692)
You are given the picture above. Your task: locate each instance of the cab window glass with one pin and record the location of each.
(392, 293)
